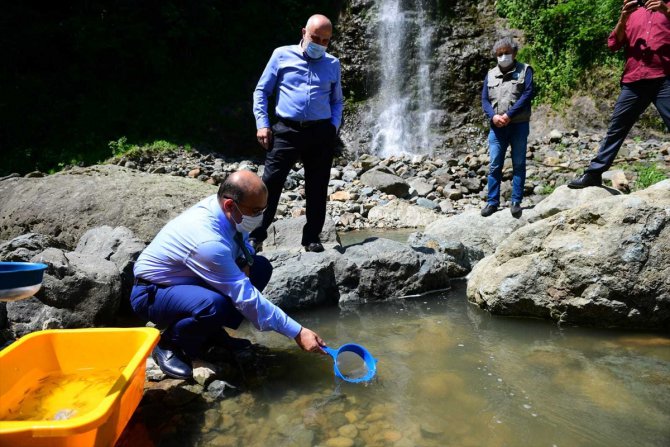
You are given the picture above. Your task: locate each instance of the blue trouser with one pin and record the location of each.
(516, 136)
(189, 314)
(314, 145)
(633, 100)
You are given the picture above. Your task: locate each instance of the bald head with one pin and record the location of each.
(318, 29)
(319, 22)
(241, 185)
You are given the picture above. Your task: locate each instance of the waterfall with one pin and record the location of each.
(402, 110)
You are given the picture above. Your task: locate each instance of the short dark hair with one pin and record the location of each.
(230, 190)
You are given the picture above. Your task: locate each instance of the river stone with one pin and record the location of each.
(339, 442)
(71, 202)
(287, 234)
(26, 246)
(402, 214)
(348, 431)
(118, 245)
(385, 182)
(421, 186)
(478, 234)
(564, 198)
(605, 263)
(78, 290)
(314, 285)
(380, 269)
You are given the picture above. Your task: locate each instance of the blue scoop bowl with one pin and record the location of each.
(370, 362)
(20, 280)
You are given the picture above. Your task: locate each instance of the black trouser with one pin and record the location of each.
(313, 144)
(633, 100)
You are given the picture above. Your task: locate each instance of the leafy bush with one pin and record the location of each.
(564, 39)
(121, 148)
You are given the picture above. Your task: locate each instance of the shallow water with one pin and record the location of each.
(449, 374)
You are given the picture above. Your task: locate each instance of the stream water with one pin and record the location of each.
(448, 374)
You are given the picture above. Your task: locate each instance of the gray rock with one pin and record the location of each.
(425, 203)
(402, 214)
(71, 202)
(387, 183)
(564, 198)
(287, 234)
(421, 186)
(78, 290)
(368, 161)
(604, 264)
(24, 247)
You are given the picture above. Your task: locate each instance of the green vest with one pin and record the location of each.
(506, 89)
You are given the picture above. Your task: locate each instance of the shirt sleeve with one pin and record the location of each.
(337, 100)
(486, 103)
(213, 262)
(264, 89)
(613, 44)
(526, 96)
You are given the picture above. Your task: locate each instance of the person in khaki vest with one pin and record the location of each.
(506, 96)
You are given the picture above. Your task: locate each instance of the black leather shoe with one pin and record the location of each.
(224, 340)
(585, 180)
(516, 209)
(316, 247)
(172, 362)
(488, 210)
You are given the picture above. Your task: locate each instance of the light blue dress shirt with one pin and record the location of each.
(306, 89)
(198, 246)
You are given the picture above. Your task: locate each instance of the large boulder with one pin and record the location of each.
(376, 269)
(564, 198)
(67, 204)
(385, 182)
(605, 263)
(24, 247)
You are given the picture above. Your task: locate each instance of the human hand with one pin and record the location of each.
(657, 5)
(309, 341)
(246, 270)
(627, 9)
(498, 121)
(264, 137)
(505, 119)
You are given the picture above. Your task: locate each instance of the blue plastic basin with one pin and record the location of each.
(20, 274)
(364, 354)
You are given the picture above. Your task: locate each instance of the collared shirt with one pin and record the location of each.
(646, 46)
(198, 246)
(306, 89)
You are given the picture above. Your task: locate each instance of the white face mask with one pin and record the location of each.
(249, 223)
(505, 60)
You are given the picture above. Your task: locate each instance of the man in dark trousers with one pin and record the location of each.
(305, 82)
(643, 30)
(199, 275)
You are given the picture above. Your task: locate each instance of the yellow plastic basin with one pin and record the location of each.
(72, 387)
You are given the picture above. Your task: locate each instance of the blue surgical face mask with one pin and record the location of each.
(315, 51)
(249, 223)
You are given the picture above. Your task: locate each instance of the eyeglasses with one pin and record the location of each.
(255, 212)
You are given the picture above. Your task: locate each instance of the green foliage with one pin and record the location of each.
(547, 189)
(564, 39)
(647, 175)
(121, 148)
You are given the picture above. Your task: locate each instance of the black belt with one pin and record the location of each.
(303, 124)
(142, 282)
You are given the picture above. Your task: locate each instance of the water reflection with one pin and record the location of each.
(450, 374)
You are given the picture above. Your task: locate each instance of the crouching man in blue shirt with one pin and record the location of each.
(200, 274)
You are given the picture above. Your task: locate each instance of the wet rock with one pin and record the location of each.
(287, 234)
(339, 442)
(600, 264)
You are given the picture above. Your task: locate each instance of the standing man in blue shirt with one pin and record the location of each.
(199, 274)
(506, 97)
(305, 81)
